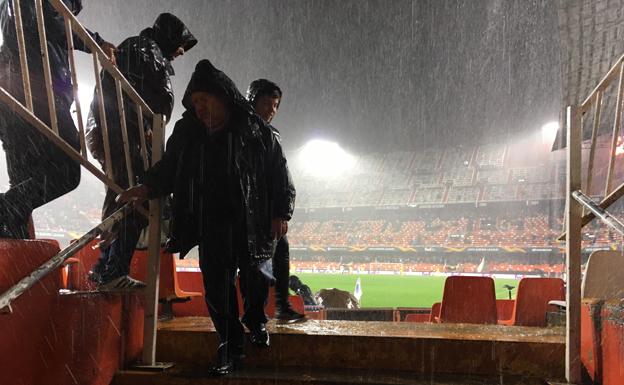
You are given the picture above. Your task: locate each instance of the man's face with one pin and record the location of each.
(266, 107)
(210, 109)
(178, 52)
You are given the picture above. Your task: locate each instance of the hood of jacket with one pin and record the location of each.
(208, 78)
(170, 33)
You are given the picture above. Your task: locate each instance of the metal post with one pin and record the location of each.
(153, 265)
(74, 74)
(47, 74)
(594, 138)
(616, 131)
(573, 248)
(19, 29)
(108, 167)
(142, 136)
(124, 132)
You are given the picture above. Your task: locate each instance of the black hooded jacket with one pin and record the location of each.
(256, 162)
(57, 50)
(144, 61)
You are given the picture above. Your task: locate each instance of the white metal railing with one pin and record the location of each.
(123, 89)
(578, 202)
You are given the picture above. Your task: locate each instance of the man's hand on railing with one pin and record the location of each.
(109, 49)
(136, 195)
(106, 239)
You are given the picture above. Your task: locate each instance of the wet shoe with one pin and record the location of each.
(259, 336)
(227, 362)
(225, 368)
(123, 283)
(289, 316)
(94, 277)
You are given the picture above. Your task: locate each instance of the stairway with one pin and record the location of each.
(343, 352)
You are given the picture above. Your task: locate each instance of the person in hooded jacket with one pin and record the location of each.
(145, 61)
(227, 173)
(38, 170)
(265, 96)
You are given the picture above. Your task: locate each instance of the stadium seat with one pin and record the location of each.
(169, 291)
(435, 312)
(415, 317)
(468, 299)
(532, 301)
(504, 308)
(604, 276)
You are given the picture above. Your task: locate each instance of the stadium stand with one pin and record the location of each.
(493, 176)
(428, 195)
(490, 156)
(427, 160)
(468, 194)
(456, 157)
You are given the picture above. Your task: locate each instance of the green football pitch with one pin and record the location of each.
(393, 290)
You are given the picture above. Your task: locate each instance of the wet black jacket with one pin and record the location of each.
(256, 161)
(144, 61)
(57, 49)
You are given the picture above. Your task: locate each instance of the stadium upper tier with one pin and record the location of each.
(435, 176)
(530, 230)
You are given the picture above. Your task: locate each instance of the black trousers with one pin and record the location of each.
(115, 259)
(219, 262)
(38, 170)
(281, 271)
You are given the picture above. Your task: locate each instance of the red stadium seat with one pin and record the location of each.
(415, 317)
(532, 301)
(169, 290)
(504, 308)
(468, 300)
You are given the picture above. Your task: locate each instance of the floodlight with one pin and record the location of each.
(322, 158)
(549, 132)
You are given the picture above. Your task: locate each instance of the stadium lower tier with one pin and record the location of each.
(427, 268)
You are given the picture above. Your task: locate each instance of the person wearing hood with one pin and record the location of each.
(265, 97)
(145, 61)
(38, 170)
(227, 173)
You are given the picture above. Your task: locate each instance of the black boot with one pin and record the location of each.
(228, 360)
(286, 315)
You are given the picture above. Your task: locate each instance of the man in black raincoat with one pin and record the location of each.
(39, 172)
(265, 96)
(226, 171)
(145, 61)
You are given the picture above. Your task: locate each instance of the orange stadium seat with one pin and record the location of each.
(415, 317)
(504, 308)
(169, 290)
(532, 301)
(468, 300)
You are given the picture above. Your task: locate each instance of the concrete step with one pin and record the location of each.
(301, 376)
(420, 349)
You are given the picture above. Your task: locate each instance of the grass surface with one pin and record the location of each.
(393, 290)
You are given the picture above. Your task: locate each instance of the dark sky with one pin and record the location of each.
(373, 75)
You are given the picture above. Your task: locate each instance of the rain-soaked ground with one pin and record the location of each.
(392, 329)
(348, 352)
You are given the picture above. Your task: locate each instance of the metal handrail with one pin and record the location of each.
(73, 26)
(600, 213)
(56, 261)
